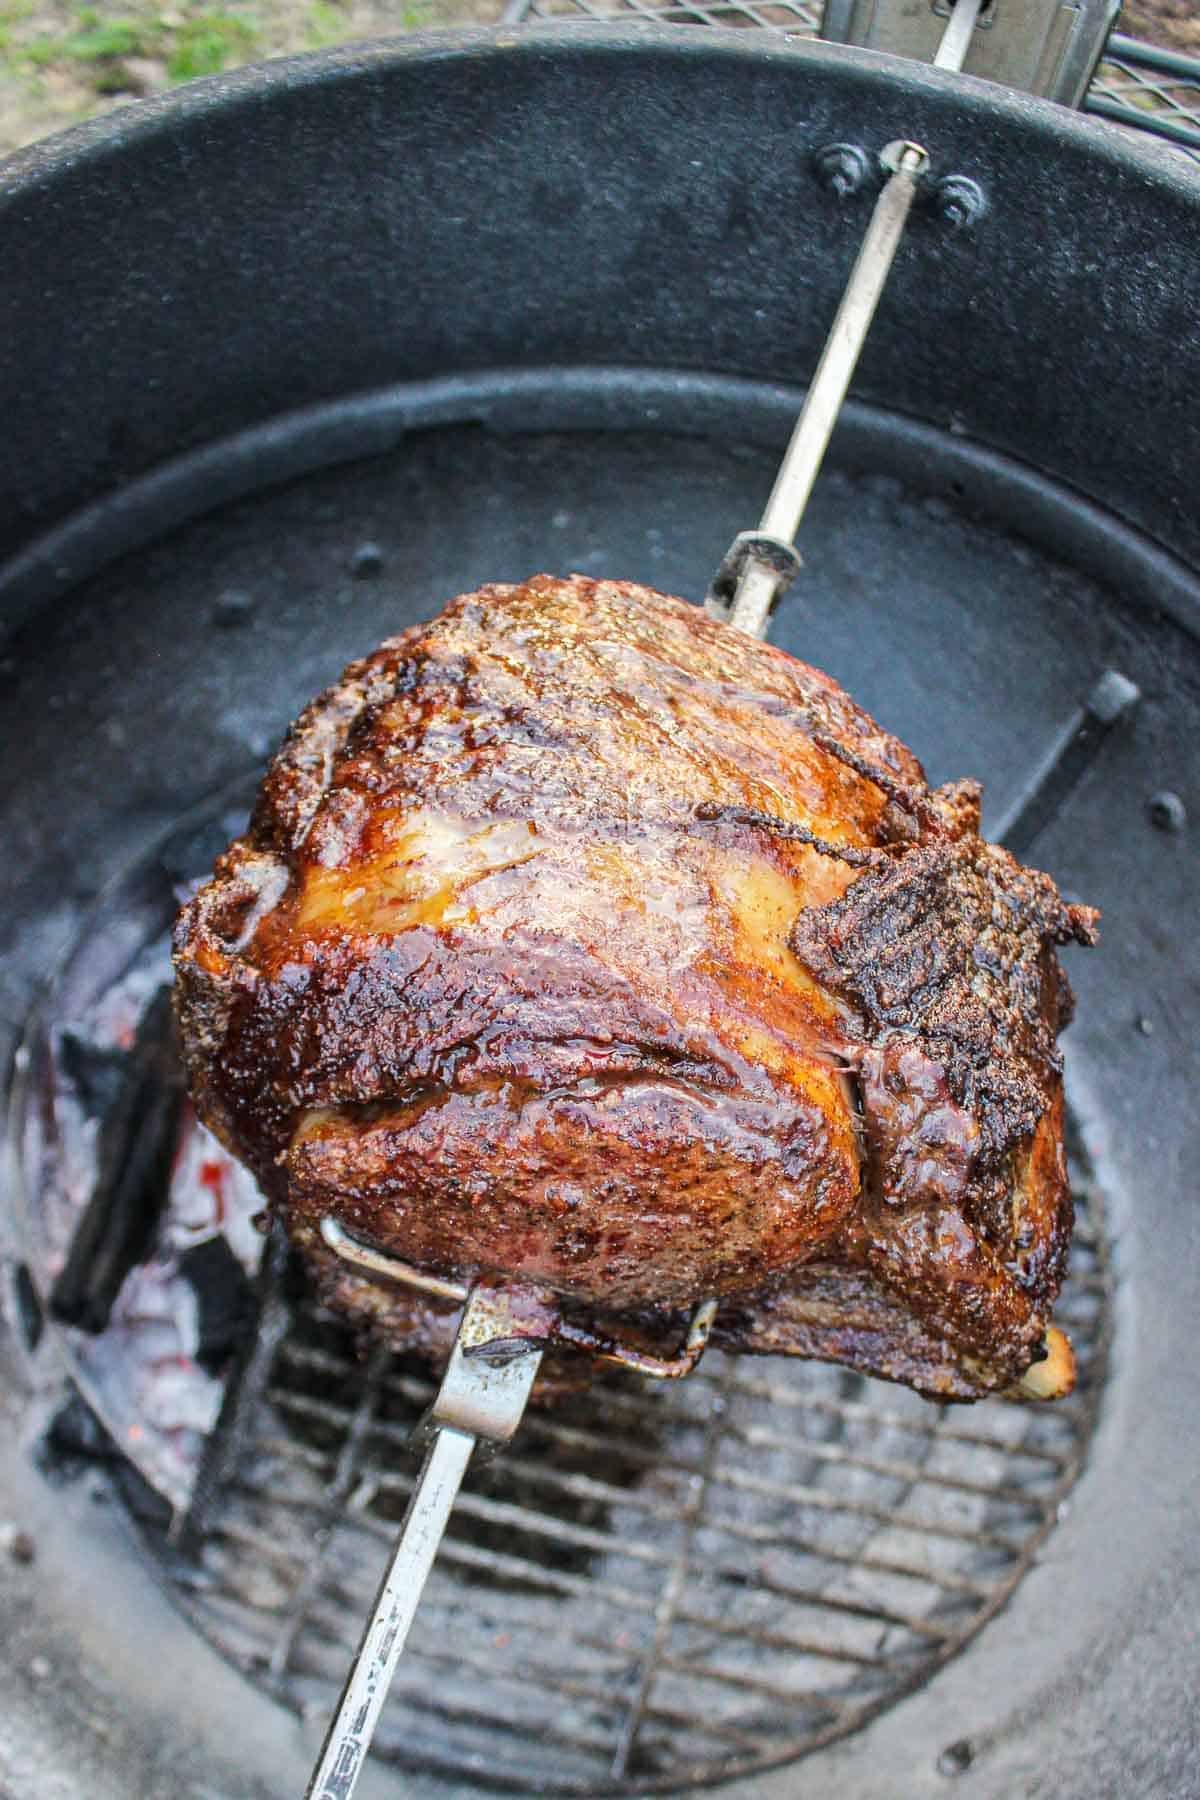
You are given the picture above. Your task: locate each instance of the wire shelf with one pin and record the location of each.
(1149, 90)
(1136, 85)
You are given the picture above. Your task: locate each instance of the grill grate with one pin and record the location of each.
(1136, 85)
(797, 18)
(1150, 89)
(659, 1587)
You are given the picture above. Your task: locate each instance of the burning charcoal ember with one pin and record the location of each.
(156, 1324)
(158, 1249)
(182, 1313)
(212, 1196)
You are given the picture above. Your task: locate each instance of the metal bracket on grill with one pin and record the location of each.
(490, 1372)
(780, 562)
(1047, 47)
(538, 1321)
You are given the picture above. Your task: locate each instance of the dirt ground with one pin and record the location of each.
(61, 62)
(1173, 23)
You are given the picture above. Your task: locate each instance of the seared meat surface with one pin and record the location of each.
(580, 939)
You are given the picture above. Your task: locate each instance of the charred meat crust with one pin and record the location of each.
(579, 938)
(950, 947)
(943, 956)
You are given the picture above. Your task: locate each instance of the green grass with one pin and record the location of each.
(71, 58)
(95, 40)
(100, 40)
(324, 26)
(207, 43)
(202, 43)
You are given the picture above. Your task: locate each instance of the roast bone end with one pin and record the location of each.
(1054, 1375)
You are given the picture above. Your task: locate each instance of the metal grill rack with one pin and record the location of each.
(657, 1588)
(1136, 85)
(1151, 90)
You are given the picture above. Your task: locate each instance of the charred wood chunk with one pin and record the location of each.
(225, 1302)
(137, 1149)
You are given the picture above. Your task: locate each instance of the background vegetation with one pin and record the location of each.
(61, 62)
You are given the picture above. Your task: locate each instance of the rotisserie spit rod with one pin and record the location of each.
(482, 1397)
(761, 578)
(760, 559)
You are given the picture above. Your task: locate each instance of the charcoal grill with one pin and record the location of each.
(303, 388)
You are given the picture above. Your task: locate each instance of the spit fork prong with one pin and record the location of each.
(482, 1398)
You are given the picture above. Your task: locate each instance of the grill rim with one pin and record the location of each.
(584, 397)
(156, 123)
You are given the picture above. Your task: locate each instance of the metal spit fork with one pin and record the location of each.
(482, 1398)
(504, 1330)
(502, 1336)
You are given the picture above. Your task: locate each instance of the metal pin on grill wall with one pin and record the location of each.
(762, 574)
(760, 584)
